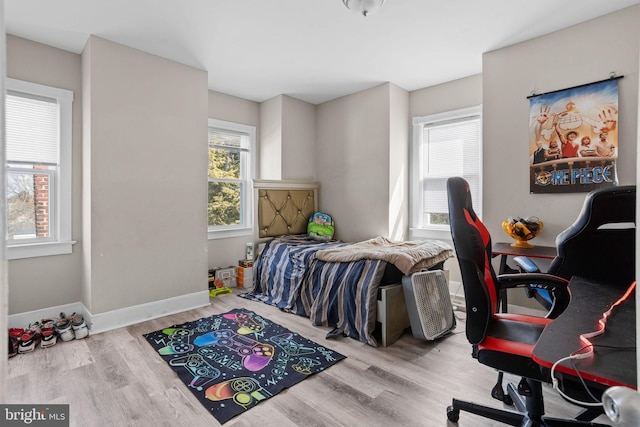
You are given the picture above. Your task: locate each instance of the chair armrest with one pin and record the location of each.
(526, 265)
(541, 280)
(555, 285)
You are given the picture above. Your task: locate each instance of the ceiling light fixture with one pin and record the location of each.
(364, 7)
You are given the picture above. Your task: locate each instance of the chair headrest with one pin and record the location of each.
(460, 197)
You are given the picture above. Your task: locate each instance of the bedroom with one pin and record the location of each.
(102, 214)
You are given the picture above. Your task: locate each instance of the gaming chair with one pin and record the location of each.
(599, 245)
(503, 341)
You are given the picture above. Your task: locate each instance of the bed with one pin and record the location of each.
(352, 287)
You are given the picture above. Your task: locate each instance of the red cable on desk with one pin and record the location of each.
(585, 338)
(588, 346)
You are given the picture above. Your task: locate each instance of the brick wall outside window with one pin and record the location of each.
(41, 201)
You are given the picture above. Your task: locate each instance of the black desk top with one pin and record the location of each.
(608, 366)
(534, 252)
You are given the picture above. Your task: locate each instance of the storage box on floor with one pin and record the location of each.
(245, 274)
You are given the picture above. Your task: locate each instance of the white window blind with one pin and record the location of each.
(444, 145)
(32, 129)
(227, 138)
(38, 141)
(450, 149)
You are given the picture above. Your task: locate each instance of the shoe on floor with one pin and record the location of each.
(49, 334)
(80, 328)
(16, 333)
(64, 329)
(13, 346)
(30, 338)
(14, 340)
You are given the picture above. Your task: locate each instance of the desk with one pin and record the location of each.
(505, 250)
(560, 338)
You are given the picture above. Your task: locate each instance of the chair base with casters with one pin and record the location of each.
(527, 398)
(529, 410)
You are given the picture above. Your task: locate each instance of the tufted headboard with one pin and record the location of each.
(283, 207)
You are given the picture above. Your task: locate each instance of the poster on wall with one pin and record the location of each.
(573, 138)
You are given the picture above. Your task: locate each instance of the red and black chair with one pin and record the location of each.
(503, 341)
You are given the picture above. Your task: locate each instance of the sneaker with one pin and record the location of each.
(49, 335)
(80, 328)
(13, 346)
(30, 338)
(16, 333)
(64, 329)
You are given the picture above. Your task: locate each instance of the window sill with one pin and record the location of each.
(35, 250)
(428, 233)
(225, 234)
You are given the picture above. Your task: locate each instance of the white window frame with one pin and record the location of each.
(247, 172)
(60, 209)
(435, 231)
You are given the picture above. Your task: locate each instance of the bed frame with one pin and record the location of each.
(284, 207)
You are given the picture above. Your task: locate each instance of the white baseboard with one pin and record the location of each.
(103, 322)
(115, 319)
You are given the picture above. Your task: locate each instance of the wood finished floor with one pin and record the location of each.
(116, 379)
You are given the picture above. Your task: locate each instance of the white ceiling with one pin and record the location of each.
(313, 50)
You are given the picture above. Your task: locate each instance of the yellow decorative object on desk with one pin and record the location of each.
(522, 230)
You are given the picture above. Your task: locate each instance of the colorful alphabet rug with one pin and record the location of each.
(233, 361)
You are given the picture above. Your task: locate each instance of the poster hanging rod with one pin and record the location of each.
(613, 77)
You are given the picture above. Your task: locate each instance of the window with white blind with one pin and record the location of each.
(38, 123)
(444, 145)
(230, 190)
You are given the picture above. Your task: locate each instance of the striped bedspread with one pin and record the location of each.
(342, 295)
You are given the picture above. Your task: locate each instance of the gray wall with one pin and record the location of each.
(453, 95)
(354, 140)
(298, 139)
(54, 280)
(144, 209)
(287, 139)
(398, 153)
(270, 131)
(580, 54)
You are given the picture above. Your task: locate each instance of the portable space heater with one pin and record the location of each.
(426, 295)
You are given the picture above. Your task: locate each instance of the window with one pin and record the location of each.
(444, 145)
(230, 192)
(38, 169)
